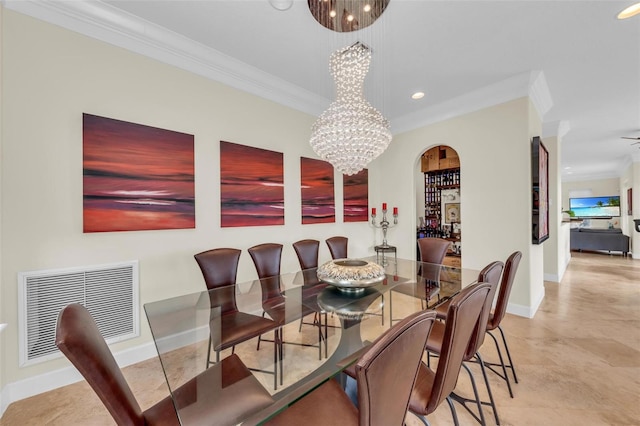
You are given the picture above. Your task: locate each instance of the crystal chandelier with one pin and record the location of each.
(350, 133)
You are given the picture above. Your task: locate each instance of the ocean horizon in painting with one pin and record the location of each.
(356, 196)
(251, 186)
(136, 177)
(316, 187)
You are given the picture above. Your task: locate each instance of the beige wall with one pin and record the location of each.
(556, 251)
(51, 76)
(494, 149)
(3, 340)
(635, 236)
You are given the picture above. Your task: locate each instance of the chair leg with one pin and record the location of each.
(281, 344)
(260, 336)
(453, 411)
(382, 310)
(424, 420)
(486, 381)
(483, 421)
(208, 353)
(275, 359)
(513, 367)
(504, 368)
(317, 319)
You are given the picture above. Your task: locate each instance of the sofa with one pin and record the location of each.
(599, 239)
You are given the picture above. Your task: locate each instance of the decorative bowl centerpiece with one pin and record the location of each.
(351, 275)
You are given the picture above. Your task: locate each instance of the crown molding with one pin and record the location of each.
(556, 129)
(539, 93)
(590, 176)
(106, 23)
(518, 86)
(114, 26)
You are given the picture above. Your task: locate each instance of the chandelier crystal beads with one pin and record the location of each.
(351, 132)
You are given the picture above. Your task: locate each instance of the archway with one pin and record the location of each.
(438, 199)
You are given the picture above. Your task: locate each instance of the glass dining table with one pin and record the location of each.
(181, 328)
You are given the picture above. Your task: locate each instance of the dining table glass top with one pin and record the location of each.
(323, 328)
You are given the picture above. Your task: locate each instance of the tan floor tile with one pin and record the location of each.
(578, 360)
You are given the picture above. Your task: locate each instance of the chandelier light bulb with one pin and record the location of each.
(351, 132)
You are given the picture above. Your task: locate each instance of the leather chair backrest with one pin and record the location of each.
(490, 274)
(387, 372)
(266, 257)
(462, 318)
(338, 247)
(78, 337)
(219, 268)
(307, 251)
(510, 269)
(433, 250)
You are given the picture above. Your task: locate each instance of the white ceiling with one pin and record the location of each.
(448, 49)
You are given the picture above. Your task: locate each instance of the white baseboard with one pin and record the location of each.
(526, 311)
(65, 376)
(31, 386)
(556, 278)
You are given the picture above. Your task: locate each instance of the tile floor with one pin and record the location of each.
(578, 361)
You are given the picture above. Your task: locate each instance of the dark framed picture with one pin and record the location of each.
(451, 213)
(629, 201)
(540, 191)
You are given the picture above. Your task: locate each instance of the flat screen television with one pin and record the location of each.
(595, 207)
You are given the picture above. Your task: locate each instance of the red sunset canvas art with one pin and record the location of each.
(356, 196)
(136, 177)
(316, 186)
(251, 186)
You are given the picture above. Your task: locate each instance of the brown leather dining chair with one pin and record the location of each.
(266, 258)
(237, 392)
(307, 252)
(432, 252)
(495, 318)
(338, 247)
(383, 388)
(434, 387)
(219, 268)
(491, 275)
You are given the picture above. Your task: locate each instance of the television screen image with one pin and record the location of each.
(595, 206)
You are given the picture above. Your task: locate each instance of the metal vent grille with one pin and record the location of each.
(109, 292)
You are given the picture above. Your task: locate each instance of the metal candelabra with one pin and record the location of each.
(384, 223)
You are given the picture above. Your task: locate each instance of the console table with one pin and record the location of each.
(385, 249)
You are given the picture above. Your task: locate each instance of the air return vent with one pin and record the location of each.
(110, 293)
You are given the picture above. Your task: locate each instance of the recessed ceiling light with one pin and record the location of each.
(417, 95)
(567, 168)
(367, 7)
(632, 10)
(332, 13)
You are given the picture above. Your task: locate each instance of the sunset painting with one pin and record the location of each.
(316, 186)
(136, 177)
(251, 186)
(356, 196)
